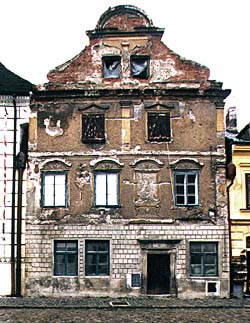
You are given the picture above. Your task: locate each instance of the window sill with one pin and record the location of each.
(245, 210)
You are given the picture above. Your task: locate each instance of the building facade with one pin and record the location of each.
(127, 185)
(14, 117)
(238, 148)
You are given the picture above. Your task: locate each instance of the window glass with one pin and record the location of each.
(140, 67)
(65, 258)
(186, 188)
(54, 187)
(203, 259)
(97, 258)
(106, 189)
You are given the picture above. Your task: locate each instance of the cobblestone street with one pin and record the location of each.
(123, 310)
(151, 315)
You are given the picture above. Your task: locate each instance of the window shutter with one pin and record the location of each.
(93, 128)
(158, 127)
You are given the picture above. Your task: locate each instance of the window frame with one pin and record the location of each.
(135, 58)
(111, 58)
(247, 179)
(43, 189)
(204, 255)
(66, 254)
(89, 117)
(164, 136)
(186, 184)
(107, 173)
(97, 253)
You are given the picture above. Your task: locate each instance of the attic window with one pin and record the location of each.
(140, 67)
(93, 128)
(159, 127)
(111, 66)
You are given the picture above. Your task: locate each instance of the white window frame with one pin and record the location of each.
(51, 194)
(185, 185)
(107, 192)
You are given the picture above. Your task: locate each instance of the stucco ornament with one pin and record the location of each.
(53, 131)
(82, 177)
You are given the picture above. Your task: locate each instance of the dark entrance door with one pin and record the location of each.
(158, 274)
(248, 272)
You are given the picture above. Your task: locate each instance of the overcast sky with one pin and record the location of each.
(38, 35)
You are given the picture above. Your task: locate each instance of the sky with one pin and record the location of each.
(38, 35)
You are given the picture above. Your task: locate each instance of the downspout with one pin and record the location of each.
(231, 175)
(13, 204)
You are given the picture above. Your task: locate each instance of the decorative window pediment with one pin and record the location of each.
(106, 164)
(186, 163)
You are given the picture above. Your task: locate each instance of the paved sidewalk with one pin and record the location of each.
(124, 302)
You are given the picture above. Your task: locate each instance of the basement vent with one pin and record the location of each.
(212, 288)
(133, 280)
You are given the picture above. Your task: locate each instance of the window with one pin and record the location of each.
(111, 66)
(93, 128)
(106, 188)
(203, 259)
(140, 67)
(65, 258)
(248, 190)
(97, 258)
(54, 189)
(158, 127)
(186, 188)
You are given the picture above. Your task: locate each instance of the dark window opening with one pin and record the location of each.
(93, 130)
(111, 66)
(140, 67)
(159, 127)
(248, 190)
(97, 258)
(203, 259)
(66, 258)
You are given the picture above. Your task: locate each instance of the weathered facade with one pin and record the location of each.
(14, 117)
(127, 170)
(238, 150)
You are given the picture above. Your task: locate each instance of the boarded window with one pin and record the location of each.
(140, 67)
(186, 188)
(97, 258)
(111, 66)
(93, 128)
(203, 259)
(54, 189)
(107, 189)
(65, 258)
(248, 190)
(158, 127)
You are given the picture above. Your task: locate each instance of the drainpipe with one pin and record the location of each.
(20, 165)
(13, 204)
(231, 175)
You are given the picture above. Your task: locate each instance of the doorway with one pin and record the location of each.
(158, 273)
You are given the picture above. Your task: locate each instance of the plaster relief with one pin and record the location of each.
(53, 131)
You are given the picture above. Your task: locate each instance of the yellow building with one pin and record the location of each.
(239, 199)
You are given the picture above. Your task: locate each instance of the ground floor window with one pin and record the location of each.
(97, 258)
(203, 259)
(65, 258)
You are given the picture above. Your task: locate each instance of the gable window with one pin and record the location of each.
(158, 127)
(248, 190)
(203, 259)
(111, 66)
(93, 128)
(140, 67)
(54, 189)
(65, 258)
(97, 258)
(186, 188)
(106, 188)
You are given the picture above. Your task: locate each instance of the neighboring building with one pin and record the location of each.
(14, 117)
(238, 154)
(127, 184)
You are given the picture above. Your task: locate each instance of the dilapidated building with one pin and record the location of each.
(126, 187)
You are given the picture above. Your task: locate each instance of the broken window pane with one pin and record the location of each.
(111, 66)
(140, 67)
(93, 128)
(158, 127)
